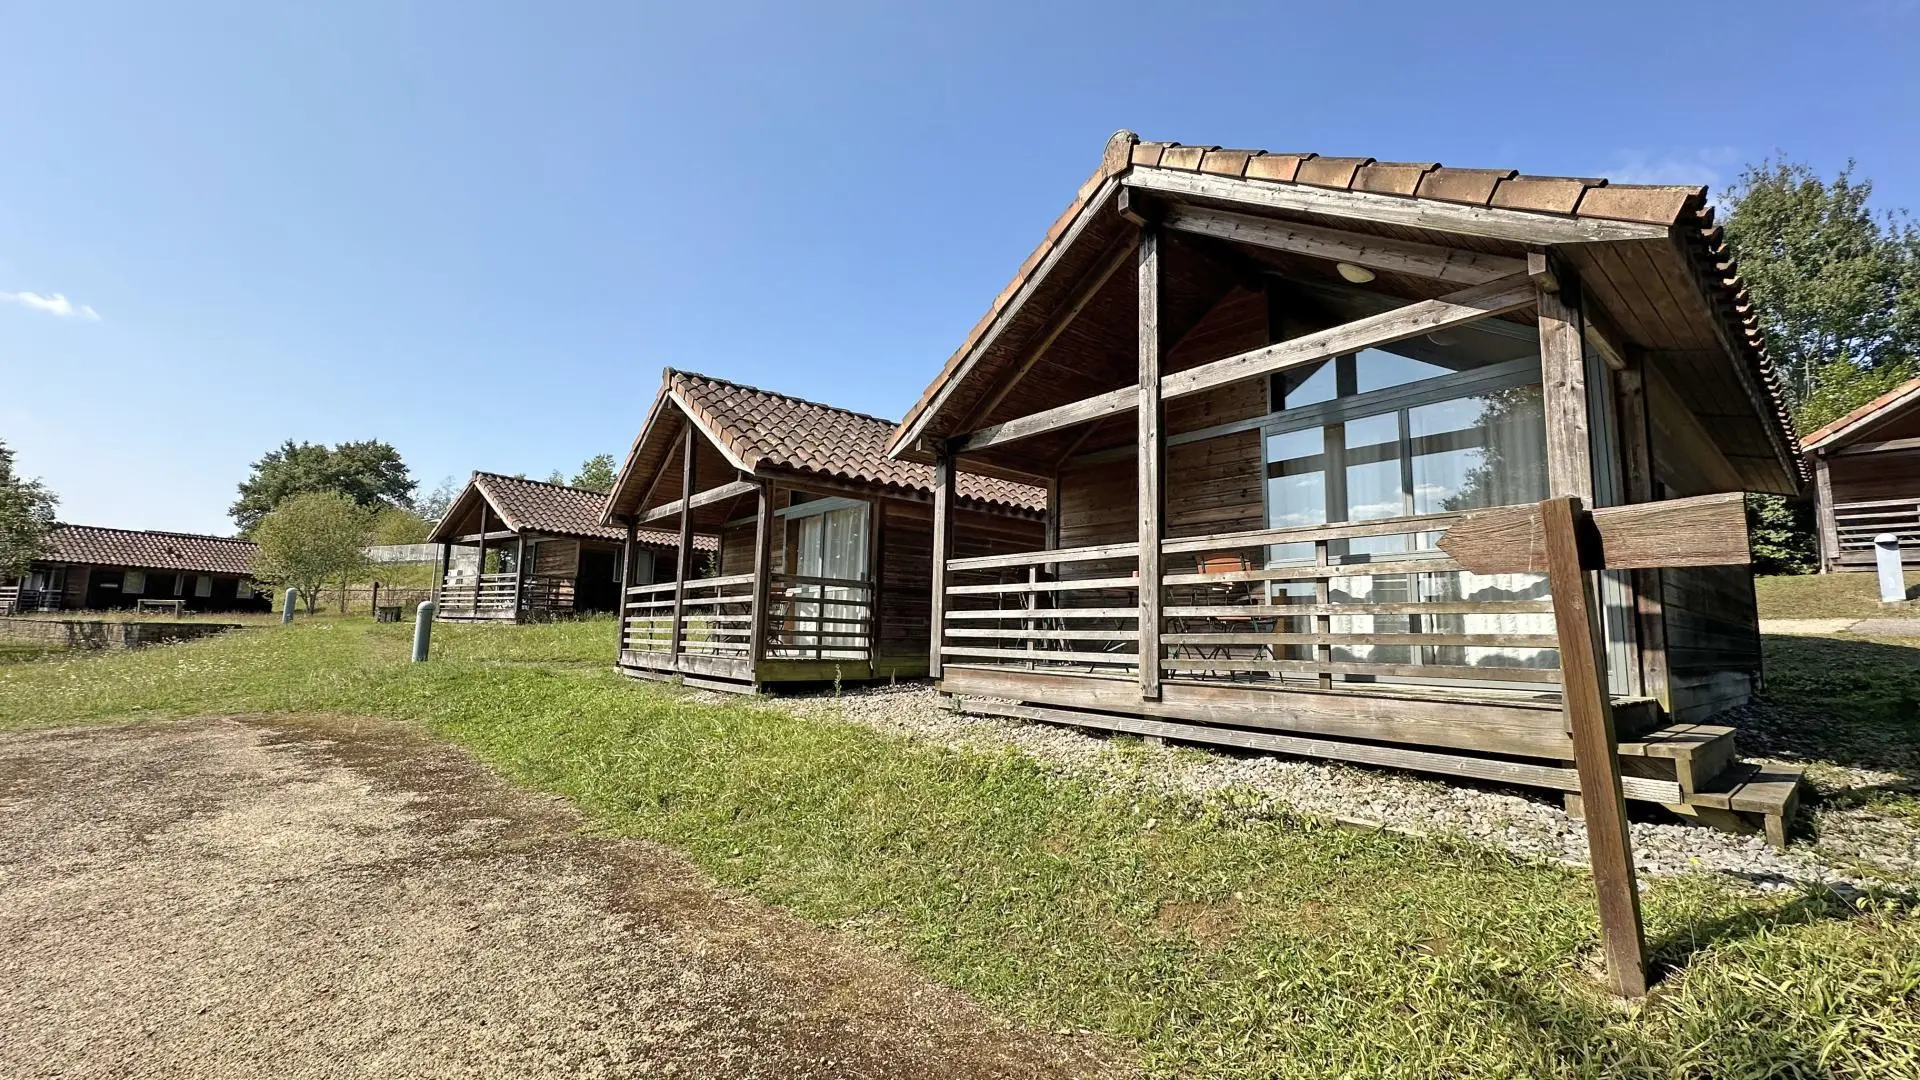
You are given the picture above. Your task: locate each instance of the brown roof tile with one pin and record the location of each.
(1471, 186)
(1226, 162)
(1334, 172)
(760, 428)
(1183, 157)
(1393, 177)
(1827, 431)
(1281, 167)
(536, 506)
(149, 550)
(1545, 194)
(1651, 203)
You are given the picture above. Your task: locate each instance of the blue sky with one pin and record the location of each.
(479, 230)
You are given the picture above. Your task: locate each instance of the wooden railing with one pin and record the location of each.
(489, 594)
(1328, 604)
(1076, 609)
(1857, 523)
(18, 598)
(807, 618)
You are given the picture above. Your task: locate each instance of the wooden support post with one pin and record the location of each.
(519, 575)
(1826, 526)
(1563, 378)
(1152, 498)
(1636, 451)
(683, 557)
(1589, 711)
(480, 568)
(942, 551)
(626, 582)
(446, 565)
(1323, 624)
(762, 577)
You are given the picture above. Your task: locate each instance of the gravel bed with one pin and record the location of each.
(1850, 848)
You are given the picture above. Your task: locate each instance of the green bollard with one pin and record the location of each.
(286, 607)
(422, 630)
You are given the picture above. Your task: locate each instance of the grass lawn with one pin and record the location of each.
(1209, 945)
(1832, 596)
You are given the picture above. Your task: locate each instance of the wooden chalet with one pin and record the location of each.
(825, 542)
(1866, 471)
(88, 568)
(1264, 385)
(539, 551)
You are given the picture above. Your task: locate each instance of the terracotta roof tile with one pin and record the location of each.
(1333, 172)
(1544, 194)
(1641, 202)
(1184, 157)
(1226, 162)
(1281, 167)
(762, 428)
(149, 550)
(1474, 187)
(536, 506)
(1393, 177)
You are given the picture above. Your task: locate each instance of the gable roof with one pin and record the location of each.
(536, 506)
(768, 433)
(1880, 408)
(1495, 206)
(147, 549)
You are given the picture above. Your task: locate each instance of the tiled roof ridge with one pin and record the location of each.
(672, 373)
(156, 532)
(478, 473)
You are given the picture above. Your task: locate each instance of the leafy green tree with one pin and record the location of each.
(26, 518)
(370, 473)
(394, 525)
(1834, 282)
(311, 539)
(596, 473)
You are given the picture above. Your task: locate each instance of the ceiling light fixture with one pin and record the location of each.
(1359, 275)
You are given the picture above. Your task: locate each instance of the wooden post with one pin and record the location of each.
(1152, 499)
(762, 577)
(626, 582)
(446, 565)
(480, 567)
(519, 575)
(1563, 385)
(373, 605)
(942, 551)
(1589, 712)
(1825, 524)
(1636, 451)
(684, 556)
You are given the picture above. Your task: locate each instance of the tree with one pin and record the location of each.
(596, 473)
(396, 526)
(311, 539)
(1836, 285)
(433, 505)
(370, 473)
(26, 518)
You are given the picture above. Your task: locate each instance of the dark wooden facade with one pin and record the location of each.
(1866, 468)
(535, 551)
(99, 569)
(1267, 384)
(824, 567)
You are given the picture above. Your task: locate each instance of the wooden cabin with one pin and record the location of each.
(1866, 471)
(88, 568)
(824, 568)
(1264, 384)
(535, 551)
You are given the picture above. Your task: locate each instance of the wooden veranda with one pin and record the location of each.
(1866, 468)
(1261, 388)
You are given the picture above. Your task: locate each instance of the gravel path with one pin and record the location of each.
(1852, 846)
(283, 897)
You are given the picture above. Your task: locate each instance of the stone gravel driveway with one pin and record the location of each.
(284, 897)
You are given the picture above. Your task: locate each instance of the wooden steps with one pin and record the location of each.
(1746, 790)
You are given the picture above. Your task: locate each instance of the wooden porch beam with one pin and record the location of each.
(705, 498)
(762, 575)
(1826, 524)
(1879, 447)
(1424, 317)
(942, 551)
(1563, 386)
(471, 538)
(1336, 245)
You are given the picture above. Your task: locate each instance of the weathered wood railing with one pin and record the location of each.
(1857, 523)
(1071, 608)
(1342, 603)
(488, 594)
(806, 618)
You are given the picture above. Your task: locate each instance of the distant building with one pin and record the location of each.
(1866, 473)
(90, 568)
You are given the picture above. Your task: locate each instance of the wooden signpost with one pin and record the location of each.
(1559, 538)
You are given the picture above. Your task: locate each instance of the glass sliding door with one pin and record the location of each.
(830, 544)
(1442, 423)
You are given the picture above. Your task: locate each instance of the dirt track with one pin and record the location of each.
(255, 897)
